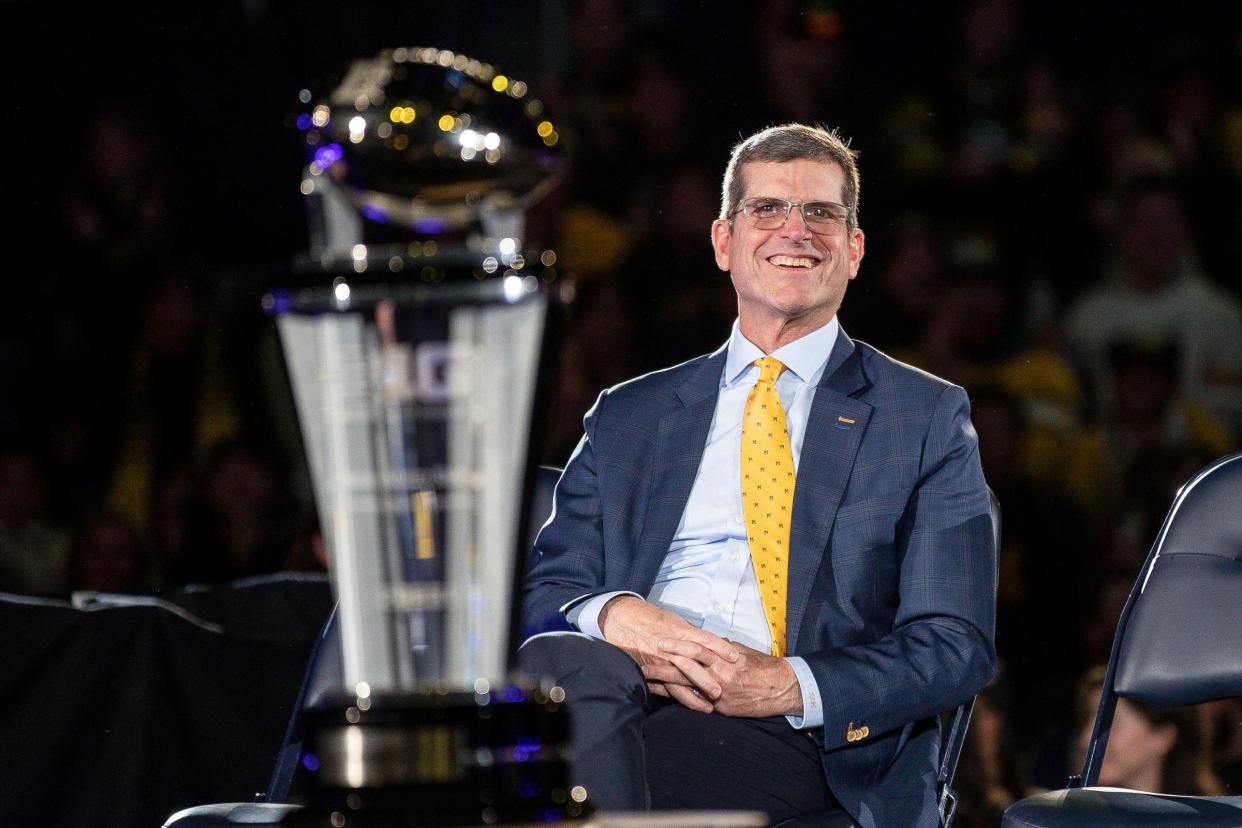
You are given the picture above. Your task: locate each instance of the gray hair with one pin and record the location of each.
(791, 142)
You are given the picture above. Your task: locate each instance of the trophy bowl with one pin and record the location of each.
(425, 139)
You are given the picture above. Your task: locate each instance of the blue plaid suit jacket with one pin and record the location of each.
(892, 572)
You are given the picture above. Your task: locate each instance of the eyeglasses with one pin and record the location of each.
(767, 213)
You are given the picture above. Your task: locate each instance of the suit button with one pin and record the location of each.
(864, 732)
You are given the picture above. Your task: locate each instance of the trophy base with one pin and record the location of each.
(439, 758)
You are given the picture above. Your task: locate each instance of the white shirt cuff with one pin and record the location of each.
(812, 710)
(584, 615)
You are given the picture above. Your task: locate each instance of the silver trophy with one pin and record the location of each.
(413, 350)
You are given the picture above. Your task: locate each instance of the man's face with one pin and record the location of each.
(791, 273)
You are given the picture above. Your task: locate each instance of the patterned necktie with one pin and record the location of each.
(767, 494)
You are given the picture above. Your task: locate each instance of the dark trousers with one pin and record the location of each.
(634, 751)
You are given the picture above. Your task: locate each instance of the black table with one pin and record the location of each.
(119, 710)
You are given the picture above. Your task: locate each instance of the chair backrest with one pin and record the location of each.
(1179, 638)
(955, 724)
(323, 674)
(542, 491)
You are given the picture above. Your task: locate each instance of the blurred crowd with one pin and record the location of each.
(1056, 232)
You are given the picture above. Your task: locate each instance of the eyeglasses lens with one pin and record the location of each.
(771, 213)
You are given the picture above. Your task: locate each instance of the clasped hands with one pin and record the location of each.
(700, 670)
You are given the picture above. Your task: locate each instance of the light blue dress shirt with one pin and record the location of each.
(707, 576)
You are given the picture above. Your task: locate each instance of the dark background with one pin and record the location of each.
(1032, 174)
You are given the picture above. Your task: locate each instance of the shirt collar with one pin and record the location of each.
(805, 357)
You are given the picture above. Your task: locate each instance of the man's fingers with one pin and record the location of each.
(706, 642)
(720, 646)
(689, 649)
(698, 675)
(685, 695)
(688, 698)
(665, 673)
(684, 675)
(701, 653)
(688, 674)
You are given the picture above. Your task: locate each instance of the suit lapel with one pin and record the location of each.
(681, 438)
(833, 434)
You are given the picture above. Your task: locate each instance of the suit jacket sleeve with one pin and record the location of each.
(940, 650)
(569, 550)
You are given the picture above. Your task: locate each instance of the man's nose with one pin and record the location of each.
(795, 226)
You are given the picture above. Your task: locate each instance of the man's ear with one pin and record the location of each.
(858, 245)
(722, 232)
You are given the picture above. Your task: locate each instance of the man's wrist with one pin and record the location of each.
(791, 698)
(583, 613)
(810, 708)
(609, 605)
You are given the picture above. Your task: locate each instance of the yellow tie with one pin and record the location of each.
(767, 494)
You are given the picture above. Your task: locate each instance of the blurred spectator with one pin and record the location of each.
(1048, 161)
(1045, 550)
(975, 336)
(1195, 117)
(180, 402)
(307, 551)
(1158, 750)
(122, 206)
(1048, 125)
(658, 108)
(987, 88)
(108, 556)
(590, 97)
(33, 550)
(120, 227)
(1109, 595)
(1157, 291)
(683, 301)
(237, 523)
(594, 358)
(1153, 435)
(989, 777)
(1226, 717)
(898, 297)
(802, 60)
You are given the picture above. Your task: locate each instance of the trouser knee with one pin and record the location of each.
(580, 663)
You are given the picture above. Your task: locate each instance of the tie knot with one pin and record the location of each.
(769, 369)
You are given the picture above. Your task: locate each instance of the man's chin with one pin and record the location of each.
(803, 314)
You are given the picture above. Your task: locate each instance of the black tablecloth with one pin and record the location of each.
(119, 715)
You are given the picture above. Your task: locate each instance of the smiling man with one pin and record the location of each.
(776, 558)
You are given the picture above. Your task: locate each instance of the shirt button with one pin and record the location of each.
(720, 608)
(733, 556)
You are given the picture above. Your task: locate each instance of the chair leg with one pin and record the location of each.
(948, 806)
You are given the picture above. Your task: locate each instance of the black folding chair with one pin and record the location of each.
(1178, 642)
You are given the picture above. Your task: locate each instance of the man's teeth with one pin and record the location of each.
(792, 261)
